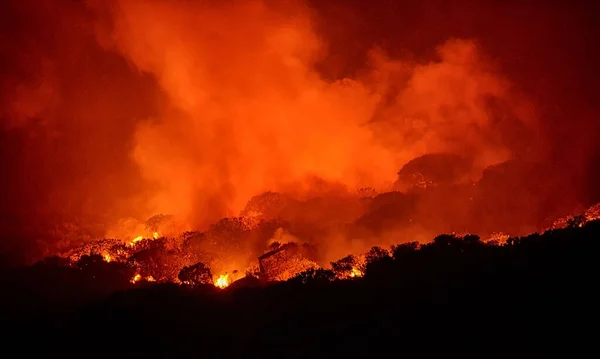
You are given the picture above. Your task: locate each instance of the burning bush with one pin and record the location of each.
(109, 249)
(157, 261)
(348, 267)
(284, 263)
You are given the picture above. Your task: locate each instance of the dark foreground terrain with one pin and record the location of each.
(533, 296)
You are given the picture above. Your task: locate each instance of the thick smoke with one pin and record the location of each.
(118, 109)
(248, 112)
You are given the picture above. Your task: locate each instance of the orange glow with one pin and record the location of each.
(155, 235)
(222, 281)
(107, 257)
(136, 278)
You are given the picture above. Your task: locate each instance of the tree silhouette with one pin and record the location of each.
(376, 253)
(196, 274)
(402, 250)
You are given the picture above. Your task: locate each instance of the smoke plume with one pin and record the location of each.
(248, 112)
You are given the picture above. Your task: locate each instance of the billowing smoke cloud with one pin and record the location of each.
(248, 112)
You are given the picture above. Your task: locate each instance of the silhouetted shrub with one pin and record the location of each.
(196, 274)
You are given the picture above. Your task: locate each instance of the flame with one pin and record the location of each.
(155, 235)
(356, 273)
(107, 257)
(138, 277)
(136, 239)
(222, 281)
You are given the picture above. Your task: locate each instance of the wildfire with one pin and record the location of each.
(356, 273)
(222, 281)
(107, 257)
(155, 235)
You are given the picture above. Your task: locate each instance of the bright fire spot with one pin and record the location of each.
(107, 257)
(356, 273)
(155, 235)
(137, 239)
(222, 281)
(138, 277)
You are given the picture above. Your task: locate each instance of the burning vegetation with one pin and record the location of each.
(452, 281)
(256, 247)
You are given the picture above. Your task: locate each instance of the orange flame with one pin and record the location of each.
(138, 277)
(155, 235)
(136, 239)
(222, 281)
(356, 273)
